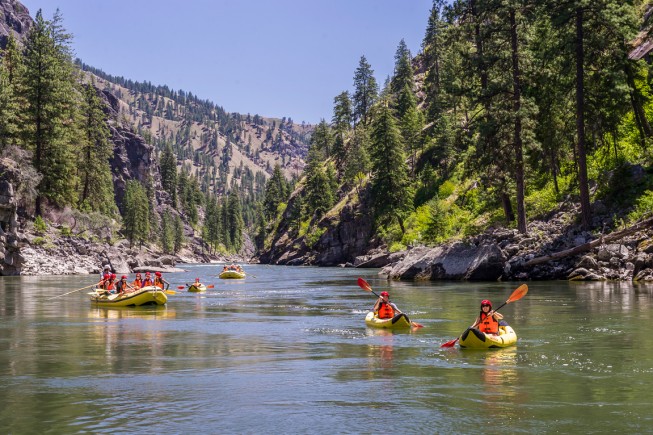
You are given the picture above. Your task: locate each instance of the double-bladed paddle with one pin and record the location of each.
(365, 286)
(519, 293)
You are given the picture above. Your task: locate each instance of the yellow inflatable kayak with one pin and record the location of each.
(400, 321)
(196, 288)
(150, 295)
(472, 338)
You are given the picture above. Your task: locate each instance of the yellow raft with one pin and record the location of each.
(472, 338)
(196, 288)
(150, 295)
(231, 274)
(400, 321)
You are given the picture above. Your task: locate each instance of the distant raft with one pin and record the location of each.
(400, 321)
(231, 274)
(150, 295)
(472, 338)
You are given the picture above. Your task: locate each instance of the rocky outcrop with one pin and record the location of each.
(14, 20)
(453, 262)
(502, 254)
(10, 256)
(346, 233)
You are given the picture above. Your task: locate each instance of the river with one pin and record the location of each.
(287, 351)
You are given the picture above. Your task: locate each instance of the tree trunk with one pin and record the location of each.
(586, 212)
(519, 157)
(507, 207)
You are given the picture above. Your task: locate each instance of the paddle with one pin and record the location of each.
(79, 289)
(365, 286)
(519, 293)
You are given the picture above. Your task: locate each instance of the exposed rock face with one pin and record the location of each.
(10, 257)
(14, 20)
(347, 235)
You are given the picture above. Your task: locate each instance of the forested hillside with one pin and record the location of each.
(105, 158)
(509, 110)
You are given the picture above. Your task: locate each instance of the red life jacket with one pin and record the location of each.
(137, 283)
(158, 282)
(385, 311)
(489, 325)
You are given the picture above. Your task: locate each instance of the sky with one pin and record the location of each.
(274, 58)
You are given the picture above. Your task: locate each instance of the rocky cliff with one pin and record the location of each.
(14, 20)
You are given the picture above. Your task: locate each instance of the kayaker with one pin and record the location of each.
(487, 320)
(384, 309)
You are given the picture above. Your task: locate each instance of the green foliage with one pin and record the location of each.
(396, 247)
(643, 207)
(314, 236)
(39, 241)
(39, 225)
(65, 231)
(136, 213)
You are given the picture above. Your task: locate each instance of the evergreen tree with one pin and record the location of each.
(391, 191)
(342, 118)
(276, 192)
(179, 235)
(50, 104)
(319, 191)
(357, 163)
(235, 221)
(11, 74)
(95, 150)
(168, 169)
(136, 217)
(167, 234)
(366, 91)
(322, 138)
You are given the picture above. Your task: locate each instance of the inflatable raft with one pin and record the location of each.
(150, 295)
(196, 288)
(231, 274)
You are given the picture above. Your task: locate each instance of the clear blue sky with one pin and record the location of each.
(271, 57)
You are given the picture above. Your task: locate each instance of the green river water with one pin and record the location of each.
(287, 351)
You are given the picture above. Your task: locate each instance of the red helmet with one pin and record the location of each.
(197, 280)
(138, 275)
(486, 302)
(123, 277)
(157, 273)
(147, 273)
(106, 276)
(385, 294)
(113, 276)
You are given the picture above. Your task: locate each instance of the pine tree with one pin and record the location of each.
(50, 97)
(179, 235)
(11, 74)
(318, 193)
(276, 192)
(136, 216)
(167, 236)
(235, 221)
(366, 91)
(96, 184)
(358, 159)
(168, 169)
(390, 186)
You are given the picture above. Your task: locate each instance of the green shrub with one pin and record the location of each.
(643, 207)
(396, 247)
(39, 225)
(313, 236)
(65, 231)
(39, 241)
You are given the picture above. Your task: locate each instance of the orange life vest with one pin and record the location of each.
(158, 282)
(386, 311)
(489, 325)
(147, 282)
(137, 283)
(109, 285)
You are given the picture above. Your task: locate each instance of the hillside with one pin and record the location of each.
(216, 145)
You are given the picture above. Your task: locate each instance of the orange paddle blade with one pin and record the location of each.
(364, 285)
(210, 286)
(416, 325)
(519, 293)
(180, 287)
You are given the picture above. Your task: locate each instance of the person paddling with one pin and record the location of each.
(488, 321)
(384, 309)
